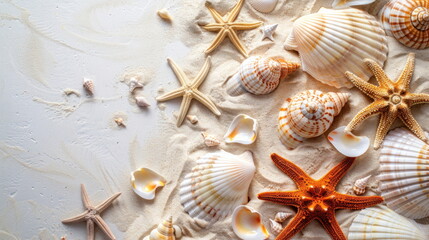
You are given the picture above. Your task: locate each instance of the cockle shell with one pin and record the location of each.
(282, 216)
(243, 129)
(264, 6)
(349, 3)
(308, 114)
(164, 14)
(359, 187)
(145, 182)
(404, 174)
(164, 231)
(142, 101)
(347, 143)
(381, 223)
(332, 42)
(210, 140)
(88, 84)
(276, 227)
(407, 21)
(259, 75)
(217, 185)
(247, 224)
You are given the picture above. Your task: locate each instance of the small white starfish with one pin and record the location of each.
(268, 31)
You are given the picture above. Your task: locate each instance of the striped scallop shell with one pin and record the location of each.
(164, 231)
(381, 223)
(332, 42)
(407, 21)
(217, 185)
(404, 174)
(260, 75)
(308, 114)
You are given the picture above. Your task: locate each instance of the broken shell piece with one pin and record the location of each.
(282, 216)
(134, 84)
(243, 129)
(88, 84)
(192, 118)
(276, 227)
(145, 182)
(163, 13)
(177, 231)
(164, 231)
(210, 140)
(360, 185)
(120, 122)
(268, 31)
(247, 224)
(142, 101)
(348, 144)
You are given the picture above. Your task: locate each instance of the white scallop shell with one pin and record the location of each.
(349, 3)
(407, 21)
(332, 42)
(308, 114)
(164, 231)
(404, 174)
(210, 140)
(217, 185)
(276, 227)
(247, 224)
(145, 182)
(243, 129)
(282, 216)
(264, 6)
(88, 84)
(347, 143)
(381, 223)
(359, 187)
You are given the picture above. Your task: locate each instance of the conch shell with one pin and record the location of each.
(164, 231)
(359, 187)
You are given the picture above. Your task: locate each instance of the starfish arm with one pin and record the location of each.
(299, 222)
(102, 206)
(369, 89)
(378, 72)
(102, 224)
(206, 102)
(411, 123)
(245, 26)
(179, 73)
(293, 171)
(214, 13)
(216, 42)
(235, 10)
(418, 98)
(202, 74)
(85, 198)
(386, 121)
(184, 107)
(78, 218)
(291, 198)
(406, 75)
(170, 95)
(344, 201)
(236, 41)
(335, 174)
(90, 233)
(368, 111)
(213, 27)
(330, 224)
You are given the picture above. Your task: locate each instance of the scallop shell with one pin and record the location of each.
(308, 114)
(332, 42)
(404, 174)
(88, 84)
(164, 231)
(347, 143)
(282, 216)
(145, 182)
(243, 129)
(276, 227)
(210, 140)
(349, 3)
(247, 224)
(260, 75)
(217, 185)
(164, 14)
(360, 185)
(264, 6)
(407, 21)
(381, 223)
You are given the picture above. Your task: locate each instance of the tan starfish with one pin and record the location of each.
(92, 215)
(228, 27)
(391, 100)
(189, 90)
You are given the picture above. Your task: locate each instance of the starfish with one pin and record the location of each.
(391, 100)
(92, 215)
(316, 199)
(228, 27)
(189, 90)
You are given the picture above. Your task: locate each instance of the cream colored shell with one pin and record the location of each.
(210, 140)
(88, 84)
(247, 224)
(164, 231)
(276, 227)
(145, 182)
(359, 187)
(282, 216)
(349, 3)
(264, 6)
(332, 42)
(243, 129)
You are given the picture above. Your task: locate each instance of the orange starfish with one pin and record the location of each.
(316, 199)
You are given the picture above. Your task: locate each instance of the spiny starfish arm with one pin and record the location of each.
(216, 42)
(235, 10)
(102, 206)
(85, 198)
(245, 26)
(202, 74)
(213, 27)
(206, 102)
(171, 95)
(329, 222)
(78, 218)
(102, 224)
(379, 73)
(179, 73)
(406, 75)
(410, 122)
(368, 111)
(369, 89)
(90, 233)
(299, 222)
(344, 201)
(291, 198)
(292, 170)
(386, 121)
(335, 174)
(236, 41)
(418, 98)
(184, 106)
(214, 13)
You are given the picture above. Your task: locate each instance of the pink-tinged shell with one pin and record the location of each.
(282, 216)
(88, 84)
(359, 187)
(210, 140)
(407, 21)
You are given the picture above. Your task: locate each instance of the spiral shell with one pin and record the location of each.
(308, 114)
(276, 227)
(164, 231)
(260, 75)
(407, 21)
(360, 185)
(88, 84)
(210, 140)
(282, 216)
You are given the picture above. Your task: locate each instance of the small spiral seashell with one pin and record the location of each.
(142, 101)
(88, 84)
(360, 185)
(164, 231)
(210, 140)
(192, 118)
(282, 216)
(134, 84)
(276, 227)
(120, 122)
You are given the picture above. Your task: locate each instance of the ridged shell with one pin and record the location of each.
(276, 227)
(259, 75)
(217, 185)
(164, 231)
(332, 42)
(243, 129)
(407, 21)
(247, 224)
(381, 223)
(88, 84)
(145, 182)
(348, 3)
(264, 6)
(210, 140)
(347, 143)
(404, 174)
(282, 216)
(359, 187)
(308, 114)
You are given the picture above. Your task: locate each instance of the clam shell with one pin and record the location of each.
(164, 231)
(332, 42)
(347, 143)
(88, 84)
(145, 182)
(360, 185)
(404, 174)
(407, 21)
(217, 185)
(264, 6)
(282, 216)
(276, 227)
(381, 223)
(308, 114)
(247, 224)
(243, 130)
(349, 3)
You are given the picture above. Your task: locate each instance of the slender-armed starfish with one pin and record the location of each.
(316, 199)
(189, 90)
(92, 215)
(391, 100)
(228, 27)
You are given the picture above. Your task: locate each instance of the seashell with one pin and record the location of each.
(178, 232)
(164, 14)
(380, 223)
(268, 31)
(404, 174)
(259, 75)
(276, 227)
(120, 122)
(360, 185)
(347, 143)
(243, 129)
(263, 6)
(145, 182)
(308, 114)
(282, 216)
(192, 118)
(217, 185)
(134, 84)
(164, 231)
(210, 140)
(247, 224)
(141, 101)
(349, 3)
(407, 21)
(332, 42)
(88, 84)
